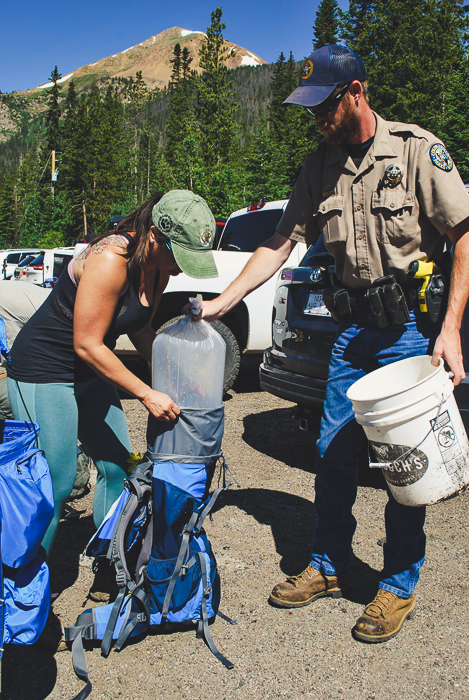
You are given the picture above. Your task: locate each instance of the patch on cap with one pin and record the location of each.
(440, 157)
(206, 237)
(307, 69)
(165, 223)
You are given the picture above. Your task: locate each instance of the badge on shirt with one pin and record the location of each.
(393, 175)
(440, 157)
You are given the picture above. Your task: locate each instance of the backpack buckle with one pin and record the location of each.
(121, 579)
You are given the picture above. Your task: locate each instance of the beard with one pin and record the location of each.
(343, 129)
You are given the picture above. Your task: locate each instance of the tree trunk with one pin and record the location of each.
(85, 230)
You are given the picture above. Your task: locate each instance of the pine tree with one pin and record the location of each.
(186, 60)
(454, 126)
(75, 166)
(447, 36)
(279, 92)
(176, 63)
(327, 24)
(33, 194)
(7, 210)
(215, 108)
(182, 138)
(291, 128)
(70, 100)
(138, 95)
(107, 158)
(53, 135)
(360, 25)
(410, 48)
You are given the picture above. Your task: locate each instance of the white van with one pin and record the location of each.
(48, 265)
(10, 258)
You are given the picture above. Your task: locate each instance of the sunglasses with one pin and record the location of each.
(168, 246)
(328, 105)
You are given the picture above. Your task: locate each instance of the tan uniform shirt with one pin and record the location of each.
(18, 302)
(370, 227)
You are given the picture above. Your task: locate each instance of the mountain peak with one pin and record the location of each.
(152, 57)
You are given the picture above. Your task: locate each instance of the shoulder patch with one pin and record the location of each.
(440, 157)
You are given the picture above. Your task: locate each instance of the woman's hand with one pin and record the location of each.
(161, 406)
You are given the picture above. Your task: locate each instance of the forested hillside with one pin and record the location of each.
(99, 152)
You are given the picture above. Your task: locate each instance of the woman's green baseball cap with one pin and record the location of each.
(186, 221)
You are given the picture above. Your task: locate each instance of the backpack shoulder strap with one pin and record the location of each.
(84, 628)
(202, 627)
(139, 484)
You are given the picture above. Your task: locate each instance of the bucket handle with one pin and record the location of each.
(390, 465)
(386, 412)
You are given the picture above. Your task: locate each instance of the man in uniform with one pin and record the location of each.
(383, 195)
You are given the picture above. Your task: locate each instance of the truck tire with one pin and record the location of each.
(233, 354)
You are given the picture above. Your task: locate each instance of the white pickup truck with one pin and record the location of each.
(248, 327)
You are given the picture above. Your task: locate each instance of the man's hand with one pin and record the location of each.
(448, 343)
(448, 347)
(210, 311)
(264, 263)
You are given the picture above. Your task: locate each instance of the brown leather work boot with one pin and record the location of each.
(311, 584)
(383, 617)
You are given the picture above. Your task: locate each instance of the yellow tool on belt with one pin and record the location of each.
(422, 269)
(431, 295)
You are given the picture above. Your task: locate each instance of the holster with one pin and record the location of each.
(340, 304)
(385, 300)
(393, 301)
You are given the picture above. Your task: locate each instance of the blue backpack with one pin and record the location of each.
(153, 534)
(26, 510)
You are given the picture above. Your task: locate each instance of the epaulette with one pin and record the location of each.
(413, 130)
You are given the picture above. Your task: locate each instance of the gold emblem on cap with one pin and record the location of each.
(307, 69)
(393, 175)
(205, 236)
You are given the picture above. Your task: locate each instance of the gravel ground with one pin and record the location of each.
(260, 533)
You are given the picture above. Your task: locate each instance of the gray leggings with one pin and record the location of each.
(90, 411)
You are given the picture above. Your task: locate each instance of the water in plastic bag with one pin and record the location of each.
(188, 363)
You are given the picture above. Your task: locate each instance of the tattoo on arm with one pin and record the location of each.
(97, 249)
(110, 240)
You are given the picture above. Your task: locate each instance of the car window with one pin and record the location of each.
(26, 261)
(60, 262)
(39, 260)
(316, 252)
(247, 232)
(219, 226)
(12, 258)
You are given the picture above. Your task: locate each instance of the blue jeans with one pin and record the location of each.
(359, 349)
(91, 411)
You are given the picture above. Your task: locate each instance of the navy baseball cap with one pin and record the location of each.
(323, 71)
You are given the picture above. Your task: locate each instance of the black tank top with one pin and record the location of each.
(43, 350)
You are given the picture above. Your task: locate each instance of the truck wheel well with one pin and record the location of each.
(237, 320)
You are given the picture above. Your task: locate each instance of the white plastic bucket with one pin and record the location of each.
(414, 428)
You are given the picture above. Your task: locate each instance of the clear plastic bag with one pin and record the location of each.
(188, 363)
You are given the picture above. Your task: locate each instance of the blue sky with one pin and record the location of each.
(39, 34)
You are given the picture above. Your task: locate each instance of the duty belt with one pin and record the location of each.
(386, 300)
